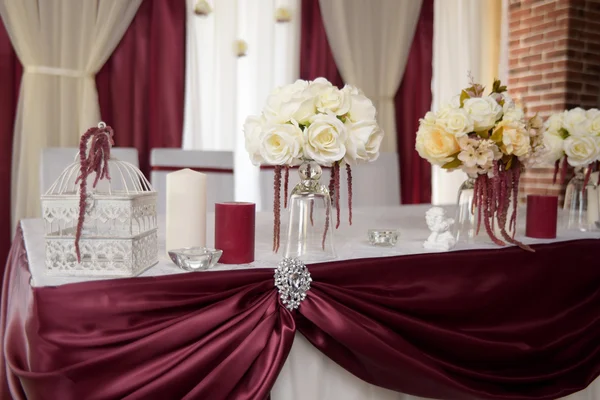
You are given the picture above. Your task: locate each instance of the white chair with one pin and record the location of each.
(55, 159)
(373, 184)
(217, 165)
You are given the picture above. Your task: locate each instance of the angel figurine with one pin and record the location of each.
(441, 238)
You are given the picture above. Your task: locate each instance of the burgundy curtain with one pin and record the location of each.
(141, 86)
(10, 81)
(316, 58)
(413, 100)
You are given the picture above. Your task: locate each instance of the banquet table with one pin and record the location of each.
(476, 322)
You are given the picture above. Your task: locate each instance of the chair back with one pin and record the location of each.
(373, 184)
(217, 165)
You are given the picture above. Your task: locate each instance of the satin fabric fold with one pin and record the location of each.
(188, 336)
(497, 324)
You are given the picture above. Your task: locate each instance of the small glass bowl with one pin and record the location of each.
(383, 237)
(195, 258)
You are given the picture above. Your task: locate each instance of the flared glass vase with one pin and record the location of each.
(465, 225)
(581, 203)
(310, 228)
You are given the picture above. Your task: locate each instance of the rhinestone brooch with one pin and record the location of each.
(292, 280)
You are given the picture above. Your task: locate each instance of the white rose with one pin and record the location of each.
(358, 136)
(457, 122)
(290, 102)
(515, 138)
(593, 116)
(435, 144)
(281, 144)
(352, 90)
(374, 143)
(553, 148)
(329, 97)
(325, 139)
(429, 119)
(514, 114)
(581, 150)
(484, 111)
(253, 128)
(554, 123)
(508, 102)
(576, 122)
(361, 108)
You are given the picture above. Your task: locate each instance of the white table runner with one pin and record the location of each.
(350, 241)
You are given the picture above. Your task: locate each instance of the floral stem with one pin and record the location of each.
(349, 173)
(277, 208)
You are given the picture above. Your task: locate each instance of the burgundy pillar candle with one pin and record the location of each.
(235, 231)
(541, 216)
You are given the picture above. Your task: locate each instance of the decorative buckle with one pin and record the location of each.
(292, 280)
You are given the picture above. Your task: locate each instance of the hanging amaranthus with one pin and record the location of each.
(94, 161)
(277, 208)
(492, 198)
(349, 174)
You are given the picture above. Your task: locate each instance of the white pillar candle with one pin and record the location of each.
(186, 209)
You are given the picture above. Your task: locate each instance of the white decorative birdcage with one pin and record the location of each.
(119, 231)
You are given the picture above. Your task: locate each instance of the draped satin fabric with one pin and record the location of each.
(500, 324)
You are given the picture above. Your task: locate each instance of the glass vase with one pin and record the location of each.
(465, 225)
(310, 228)
(581, 203)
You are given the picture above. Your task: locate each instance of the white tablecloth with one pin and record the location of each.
(307, 373)
(350, 241)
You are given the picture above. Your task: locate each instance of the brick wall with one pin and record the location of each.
(554, 64)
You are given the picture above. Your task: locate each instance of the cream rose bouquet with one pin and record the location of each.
(489, 138)
(573, 137)
(313, 121)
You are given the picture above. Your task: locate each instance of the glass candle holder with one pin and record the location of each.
(383, 237)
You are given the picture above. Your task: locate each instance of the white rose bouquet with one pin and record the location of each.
(313, 121)
(489, 138)
(573, 137)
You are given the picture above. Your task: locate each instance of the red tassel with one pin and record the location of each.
(563, 171)
(337, 193)
(332, 185)
(556, 168)
(96, 161)
(285, 185)
(349, 173)
(277, 208)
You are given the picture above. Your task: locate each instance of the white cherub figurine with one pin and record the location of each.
(439, 225)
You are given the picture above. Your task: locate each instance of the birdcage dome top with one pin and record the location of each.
(125, 180)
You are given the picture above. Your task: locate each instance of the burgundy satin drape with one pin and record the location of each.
(413, 100)
(316, 58)
(141, 86)
(10, 82)
(497, 324)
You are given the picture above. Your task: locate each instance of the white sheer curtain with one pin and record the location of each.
(222, 89)
(370, 41)
(466, 38)
(61, 44)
